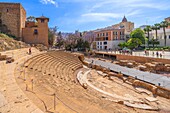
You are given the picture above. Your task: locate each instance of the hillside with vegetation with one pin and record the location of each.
(8, 43)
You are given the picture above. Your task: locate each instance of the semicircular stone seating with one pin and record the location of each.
(51, 70)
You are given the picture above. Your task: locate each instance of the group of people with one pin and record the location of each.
(158, 54)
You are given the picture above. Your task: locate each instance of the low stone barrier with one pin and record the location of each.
(81, 57)
(163, 92)
(150, 87)
(3, 57)
(156, 90)
(115, 75)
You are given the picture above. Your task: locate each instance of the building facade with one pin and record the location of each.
(168, 20)
(125, 24)
(36, 32)
(109, 38)
(160, 35)
(13, 22)
(12, 18)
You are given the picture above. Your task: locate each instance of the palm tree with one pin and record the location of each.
(147, 30)
(164, 25)
(156, 27)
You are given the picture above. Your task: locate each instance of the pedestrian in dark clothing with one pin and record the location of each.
(29, 50)
(157, 54)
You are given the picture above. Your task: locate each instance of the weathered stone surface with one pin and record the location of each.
(142, 68)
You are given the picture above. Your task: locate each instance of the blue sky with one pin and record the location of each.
(83, 15)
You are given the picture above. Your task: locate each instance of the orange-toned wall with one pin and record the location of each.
(40, 38)
(110, 32)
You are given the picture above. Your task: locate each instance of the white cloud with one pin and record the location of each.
(49, 2)
(95, 17)
(131, 4)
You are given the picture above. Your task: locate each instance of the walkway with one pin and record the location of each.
(12, 98)
(165, 55)
(156, 79)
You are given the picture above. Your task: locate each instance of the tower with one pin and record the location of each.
(124, 19)
(36, 32)
(42, 30)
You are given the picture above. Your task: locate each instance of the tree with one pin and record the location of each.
(31, 19)
(156, 27)
(59, 41)
(86, 45)
(51, 37)
(134, 43)
(147, 30)
(80, 44)
(164, 25)
(154, 42)
(71, 42)
(122, 44)
(138, 33)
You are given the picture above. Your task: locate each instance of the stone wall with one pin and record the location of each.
(13, 16)
(142, 59)
(42, 34)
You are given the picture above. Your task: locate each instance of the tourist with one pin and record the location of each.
(160, 55)
(157, 54)
(153, 54)
(92, 61)
(163, 52)
(29, 50)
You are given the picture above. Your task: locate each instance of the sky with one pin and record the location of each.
(85, 15)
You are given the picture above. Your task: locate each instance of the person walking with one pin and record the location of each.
(160, 55)
(153, 53)
(157, 54)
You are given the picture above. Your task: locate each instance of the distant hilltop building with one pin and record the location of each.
(13, 22)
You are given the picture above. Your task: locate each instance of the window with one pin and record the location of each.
(97, 43)
(97, 35)
(100, 43)
(42, 20)
(7, 10)
(105, 43)
(100, 34)
(100, 47)
(103, 34)
(106, 38)
(169, 36)
(35, 31)
(106, 33)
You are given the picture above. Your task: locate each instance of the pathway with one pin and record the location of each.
(12, 98)
(153, 78)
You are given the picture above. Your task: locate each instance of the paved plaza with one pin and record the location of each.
(153, 78)
(165, 54)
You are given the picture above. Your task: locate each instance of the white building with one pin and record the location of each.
(160, 36)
